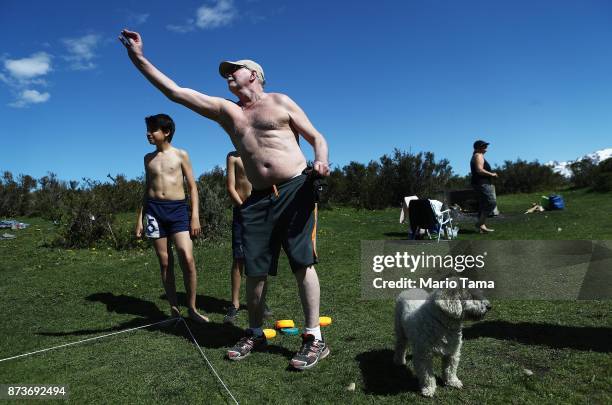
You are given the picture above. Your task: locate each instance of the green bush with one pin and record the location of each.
(583, 173)
(384, 183)
(122, 236)
(352, 185)
(214, 205)
(597, 177)
(86, 221)
(459, 182)
(124, 195)
(89, 220)
(49, 197)
(88, 213)
(16, 195)
(526, 177)
(602, 179)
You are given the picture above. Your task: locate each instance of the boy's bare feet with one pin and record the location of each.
(175, 312)
(196, 316)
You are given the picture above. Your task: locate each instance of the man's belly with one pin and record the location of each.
(270, 167)
(268, 173)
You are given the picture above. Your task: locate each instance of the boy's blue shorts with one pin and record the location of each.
(165, 217)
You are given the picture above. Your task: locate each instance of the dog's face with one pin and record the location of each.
(462, 303)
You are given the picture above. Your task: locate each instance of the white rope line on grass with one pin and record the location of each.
(87, 340)
(208, 362)
(129, 330)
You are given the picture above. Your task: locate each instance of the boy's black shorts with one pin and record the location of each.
(237, 232)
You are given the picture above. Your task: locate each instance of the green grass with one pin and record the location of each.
(52, 296)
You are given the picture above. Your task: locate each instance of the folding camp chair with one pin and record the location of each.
(427, 215)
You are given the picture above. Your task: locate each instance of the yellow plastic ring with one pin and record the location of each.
(270, 333)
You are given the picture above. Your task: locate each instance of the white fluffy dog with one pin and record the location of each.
(431, 324)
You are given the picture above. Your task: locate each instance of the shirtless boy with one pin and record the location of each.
(166, 211)
(238, 189)
(281, 211)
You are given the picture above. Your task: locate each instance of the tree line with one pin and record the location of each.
(86, 211)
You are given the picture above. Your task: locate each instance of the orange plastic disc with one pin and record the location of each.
(284, 323)
(325, 320)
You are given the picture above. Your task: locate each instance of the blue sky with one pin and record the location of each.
(531, 77)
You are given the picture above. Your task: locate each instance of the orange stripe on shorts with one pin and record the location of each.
(313, 237)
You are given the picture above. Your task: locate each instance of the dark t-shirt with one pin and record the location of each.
(478, 178)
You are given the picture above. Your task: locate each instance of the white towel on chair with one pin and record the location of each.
(404, 214)
(437, 207)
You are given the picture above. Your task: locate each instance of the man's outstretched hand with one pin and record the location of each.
(132, 41)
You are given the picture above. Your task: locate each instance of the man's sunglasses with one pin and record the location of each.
(234, 69)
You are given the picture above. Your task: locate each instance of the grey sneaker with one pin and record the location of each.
(231, 315)
(311, 352)
(246, 345)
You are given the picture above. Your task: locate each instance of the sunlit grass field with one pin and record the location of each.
(53, 296)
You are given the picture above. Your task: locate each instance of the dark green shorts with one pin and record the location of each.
(284, 215)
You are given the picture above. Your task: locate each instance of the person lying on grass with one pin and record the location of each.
(166, 211)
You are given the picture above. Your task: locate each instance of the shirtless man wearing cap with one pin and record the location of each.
(265, 129)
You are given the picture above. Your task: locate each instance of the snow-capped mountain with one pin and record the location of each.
(564, 167)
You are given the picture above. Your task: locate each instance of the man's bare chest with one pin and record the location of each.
(261, 119)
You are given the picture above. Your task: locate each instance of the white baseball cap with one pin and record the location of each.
(227, 67)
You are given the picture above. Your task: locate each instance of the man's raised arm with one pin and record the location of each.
(210, 107)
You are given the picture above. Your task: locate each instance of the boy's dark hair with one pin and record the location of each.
(161, 121)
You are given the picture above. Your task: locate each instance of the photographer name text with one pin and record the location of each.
(404, 283)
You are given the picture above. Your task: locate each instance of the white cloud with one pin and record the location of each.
(138, 19)
(81, 51)
(219, 14)
(20, 74)
(29, 96)
(141, 18)
(188, 27)
(38, 64)
(33, 96)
